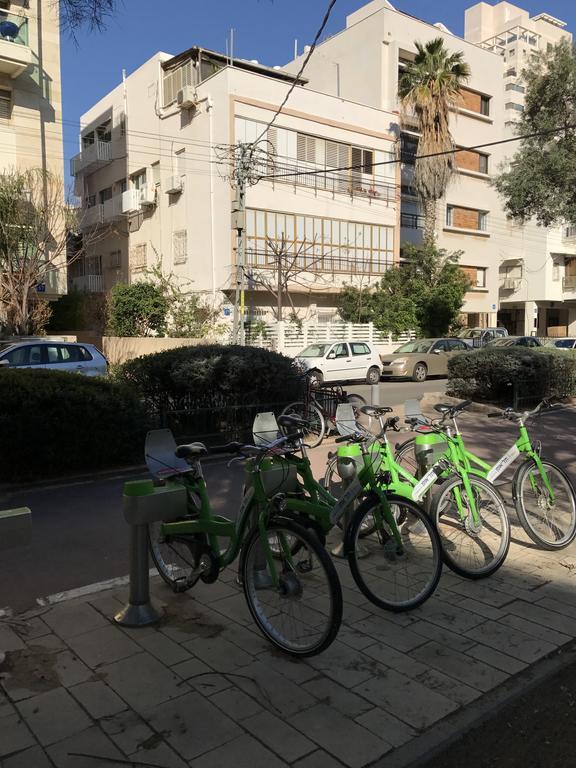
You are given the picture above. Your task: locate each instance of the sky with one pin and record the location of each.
(264, 30)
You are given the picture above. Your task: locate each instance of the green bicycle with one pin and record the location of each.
(393, 550)
(469, 514)
(543, 495)
(292, 592)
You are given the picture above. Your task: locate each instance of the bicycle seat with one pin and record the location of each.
(292, 421)
(375, 410)
(191, 449)
(451, 408)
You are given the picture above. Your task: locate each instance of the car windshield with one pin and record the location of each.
(5, 345)
(314, 350)
(420, 345)
(563, 343)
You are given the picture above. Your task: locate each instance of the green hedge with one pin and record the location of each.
(512, 375)
(54, 423)
(211, 390)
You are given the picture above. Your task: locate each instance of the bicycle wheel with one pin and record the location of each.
(405, 456)
(394, 575)
(473, 549)
(314, 432)
(302, 615)
(550, 523)
(176, 559)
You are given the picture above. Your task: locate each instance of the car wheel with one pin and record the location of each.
(315, 378)
(373, 375)
(420, 372)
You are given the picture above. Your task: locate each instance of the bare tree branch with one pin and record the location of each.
(92, 14)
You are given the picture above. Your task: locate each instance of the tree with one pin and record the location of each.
(540, 179)
(430, 85)
(90, 13)
(425, 294)
(139, 309)
(34, 221)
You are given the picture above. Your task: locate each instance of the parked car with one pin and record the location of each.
(515, 341)
(479, 337)
(422, 358)
(59, 356)
(340, 361)
(565, 343)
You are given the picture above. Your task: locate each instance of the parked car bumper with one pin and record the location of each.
(399, 371)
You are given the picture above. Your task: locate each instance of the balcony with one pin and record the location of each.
(569, 233)
(87, 284)
(92, 157)
(15, 53)
(131, 200)
(103, 213)
(412, 221)
(569, 283)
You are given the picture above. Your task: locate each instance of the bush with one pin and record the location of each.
(512, 374)
(206, 389)
(54, 422)
(139, 309)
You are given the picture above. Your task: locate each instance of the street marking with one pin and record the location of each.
(89, 589)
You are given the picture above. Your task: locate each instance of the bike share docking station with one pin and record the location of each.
(147, 501)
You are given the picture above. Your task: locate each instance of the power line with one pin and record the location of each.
(331, 5)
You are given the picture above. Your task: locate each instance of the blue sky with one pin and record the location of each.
(264, 30)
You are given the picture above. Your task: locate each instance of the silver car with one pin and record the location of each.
(422, 358)
(563, 343)
(56, 355)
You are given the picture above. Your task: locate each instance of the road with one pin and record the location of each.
(79, 533)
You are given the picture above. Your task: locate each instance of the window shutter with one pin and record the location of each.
(301, 147)
(138, 256)
(273, 139)
(5, 104)
(180, 246)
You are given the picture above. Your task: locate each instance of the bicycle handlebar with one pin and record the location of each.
(511, 415)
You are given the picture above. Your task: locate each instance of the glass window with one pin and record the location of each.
(484, 105)
(441, 346)
(52, 354)
(138, 179)
(455, 345)
(340, 350)
(83, 354)
(482, 163)
(28, 355)
(359, 349)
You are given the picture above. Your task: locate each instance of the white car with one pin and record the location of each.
(563, 343)
(56, 355)
(340, 361)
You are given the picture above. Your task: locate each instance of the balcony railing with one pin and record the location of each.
(569, 283)
(569, 232)
(376, 264)
(108, 211)
(15, 54)
(412, 221)
(92, 157)
(87, 283)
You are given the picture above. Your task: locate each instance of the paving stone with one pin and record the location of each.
(482, 593)
(49, 642)
(236, 704)
(92, 743)
(211, 683)
(297, 670)
(518, 644)
(408, 699)
(460, 666)
(563, 608)
(328, 692)
(251, 641)
(441, 635)
(128, 731)
(35, 757)
(190, 669)
(454, 690)
(381, 629)
(161, 755)
(73, 618)
(452, 618)
(345, 665)
(219, 654)
(192, 725)
(14, 734)
(242, 752)
(535, 630)
(543, 616)
(278, 736)
(32, 628)
(103, 646)
(351, 637)
(98, 699)
(164, 649)
(108, 604)
(482, 609)
(341, 737)
(53, 716)
(276, 693)
(390, 657)
(143, 681)
(234, 608)
(70, 669)
(494, 658)
(9, 640)
(318, 759)
(387, 727)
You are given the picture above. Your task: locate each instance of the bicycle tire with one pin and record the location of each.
(174, 559)
(528, 520)
(314, 435)
(493, 548)
(296, 579)
(405, 456)
(377, 557)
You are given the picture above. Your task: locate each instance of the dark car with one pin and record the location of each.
(515, 341)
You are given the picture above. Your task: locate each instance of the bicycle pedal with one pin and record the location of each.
(180, 585)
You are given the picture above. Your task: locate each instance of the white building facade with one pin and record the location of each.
(537, 271)
(153, 175)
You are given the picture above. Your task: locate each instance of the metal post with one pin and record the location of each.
(239, 224)
(139, 612)
(375, 394)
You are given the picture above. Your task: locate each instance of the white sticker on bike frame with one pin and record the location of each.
(353, 490)
(419, 490)
(508, 458)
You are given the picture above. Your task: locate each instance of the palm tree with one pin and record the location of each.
(431, 86)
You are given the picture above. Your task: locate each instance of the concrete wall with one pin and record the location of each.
(118, 349)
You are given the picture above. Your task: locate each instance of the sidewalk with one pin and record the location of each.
(205, 689)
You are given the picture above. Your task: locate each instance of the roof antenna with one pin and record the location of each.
(295, 48)
(232, 46)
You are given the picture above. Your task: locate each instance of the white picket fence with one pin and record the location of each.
(290, 338)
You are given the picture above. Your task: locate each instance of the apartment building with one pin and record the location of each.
(30, 95)
(470, 218)
(154, 168)
(537, 289)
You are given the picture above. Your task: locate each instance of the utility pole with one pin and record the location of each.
(242, 169)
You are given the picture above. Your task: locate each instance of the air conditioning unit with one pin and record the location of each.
(148, 194)
(174, 185)
(186, 98)
(131, 201)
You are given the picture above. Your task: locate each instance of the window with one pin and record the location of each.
(480, 277)
(466, 218)
(340, 350)
(455, 345)
(104, 194)
(469, 160)
(138, 256)
(517, 107)
(114, 259)
(440, 346)
(121, 185)
(408, 148)
(476, 275)
(180, 162)
(174, 80)
(359, 349)
(29, 355)
(156, 173)
(474, 101)
(515, 87)
(5, 104)
(556, 272)
(90, 201)
(93, 265)
(485, 105)
(180, 246)
(510, 72)
(138, 179)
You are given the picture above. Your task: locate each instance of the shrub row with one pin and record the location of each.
(512, 374)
